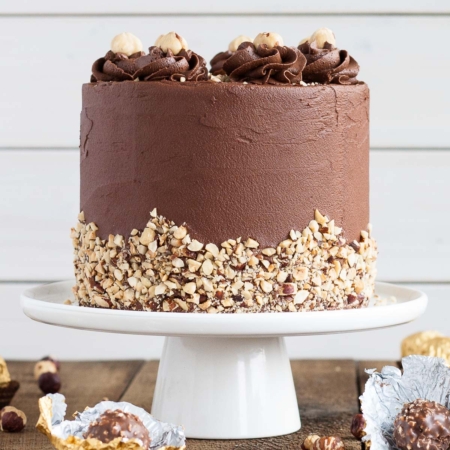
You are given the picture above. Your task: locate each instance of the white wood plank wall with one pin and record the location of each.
(47, 50)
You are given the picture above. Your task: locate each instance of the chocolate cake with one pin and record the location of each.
(245, 189)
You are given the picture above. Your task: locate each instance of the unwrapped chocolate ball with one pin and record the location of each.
(113, 424)
(422, 425)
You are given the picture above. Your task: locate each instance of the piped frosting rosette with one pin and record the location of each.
(264, 61)
(324, 62)
(169, 59)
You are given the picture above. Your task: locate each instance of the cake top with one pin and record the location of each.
(263, 60)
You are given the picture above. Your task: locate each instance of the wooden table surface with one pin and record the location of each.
(327, 393)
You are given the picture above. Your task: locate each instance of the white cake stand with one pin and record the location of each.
(224, 376)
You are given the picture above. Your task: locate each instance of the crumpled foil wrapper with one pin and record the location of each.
(68, 434)
(386, 392)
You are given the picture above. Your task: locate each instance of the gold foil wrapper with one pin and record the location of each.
(427, 343)
(4, 373)
(52, 411)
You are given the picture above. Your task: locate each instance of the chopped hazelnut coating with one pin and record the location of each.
(162, 269)
(424, 425)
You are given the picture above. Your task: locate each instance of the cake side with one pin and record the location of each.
(238, 163)
(227, 159)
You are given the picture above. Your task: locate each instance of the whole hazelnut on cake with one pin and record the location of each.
(270, 39)
(172, 41)
(422, 425)
(113, 424)
(12, 420)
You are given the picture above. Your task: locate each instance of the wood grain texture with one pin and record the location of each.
(326, 391)
(409, 198)
(83, 384)
(406, 110)
(229, 7)
(140, 391)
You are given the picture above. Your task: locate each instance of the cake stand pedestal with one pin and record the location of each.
(224, 376)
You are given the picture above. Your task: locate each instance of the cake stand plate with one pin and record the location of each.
(224, 376)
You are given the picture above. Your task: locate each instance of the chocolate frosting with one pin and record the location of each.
(218, 61)
(155, 66)
(228, 159)
(328, 65)
(158, 65)
(261, 65)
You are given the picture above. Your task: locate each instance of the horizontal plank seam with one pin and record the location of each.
(132, 378)
(229, 14)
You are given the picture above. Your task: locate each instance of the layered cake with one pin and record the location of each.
(243, 188)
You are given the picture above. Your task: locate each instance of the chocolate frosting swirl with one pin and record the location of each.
(328, 65)
(157, 65)
(263, 65)
(218, 61)
(115, 67)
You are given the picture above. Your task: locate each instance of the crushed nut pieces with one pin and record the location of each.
(162, 269)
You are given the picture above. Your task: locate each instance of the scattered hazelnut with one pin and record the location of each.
(126, 43)
(309, 441)
(12, 420)
(49, 383)
(44, 366)
(269, 39)
(422, 424)
(236, 42)
(328, 443)
(315, 442)
(358, 425)
(321, 36)
(171, 41)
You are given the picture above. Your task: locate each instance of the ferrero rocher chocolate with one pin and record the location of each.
(422, 425)
(8, 387)
(118, 424)
(427, 343)
(106, 426)
(408, 410)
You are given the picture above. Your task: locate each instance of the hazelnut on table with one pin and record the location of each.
(12, 420)
(46, 372)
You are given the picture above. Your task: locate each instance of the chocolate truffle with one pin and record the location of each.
(118, 424)
(423, 425)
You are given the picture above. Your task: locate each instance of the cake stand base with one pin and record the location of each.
(224, 376)
(221, 388)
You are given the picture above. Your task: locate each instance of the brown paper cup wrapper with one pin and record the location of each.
(7, 392)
